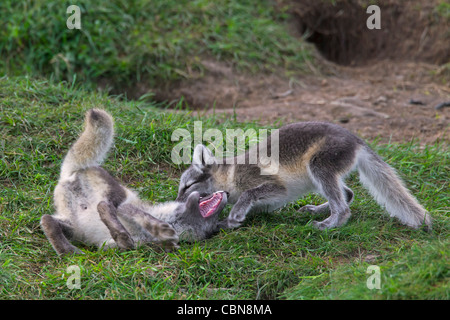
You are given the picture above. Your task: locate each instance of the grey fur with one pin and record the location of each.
(94, 208)
(313, 157)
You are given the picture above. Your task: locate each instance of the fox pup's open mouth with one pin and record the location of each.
(208, 205)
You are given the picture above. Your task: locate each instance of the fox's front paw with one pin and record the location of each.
(228, 224)
(222, 225)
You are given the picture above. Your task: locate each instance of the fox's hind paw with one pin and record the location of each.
(168, 237)
(170, 246)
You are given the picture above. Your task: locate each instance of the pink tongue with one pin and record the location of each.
(209, 206)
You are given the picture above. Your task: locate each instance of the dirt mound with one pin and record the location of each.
(414, 30)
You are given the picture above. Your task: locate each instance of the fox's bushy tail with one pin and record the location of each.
(93, 144)
(389, 191)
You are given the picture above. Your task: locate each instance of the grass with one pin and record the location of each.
(272, 256)
(122, 43)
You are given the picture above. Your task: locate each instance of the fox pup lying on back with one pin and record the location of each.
(313, 157)
(94, 208)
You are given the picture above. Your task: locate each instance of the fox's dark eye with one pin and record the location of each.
(187, 186)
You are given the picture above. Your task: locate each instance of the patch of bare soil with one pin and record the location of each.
(388, 100)
(380, 83)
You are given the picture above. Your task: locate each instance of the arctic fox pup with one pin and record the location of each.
(94, 208)
(313, 157)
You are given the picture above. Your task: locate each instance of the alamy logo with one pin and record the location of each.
(181, 153)
(374, 281)
(74, 280)
(74, 21)
(374, 21)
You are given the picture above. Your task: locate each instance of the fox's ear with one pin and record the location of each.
(202, 156)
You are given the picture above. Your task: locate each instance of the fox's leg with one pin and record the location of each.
(268, 193)
(162, 231)
(108, 215)
(334, 190)
(54, 229)
(325, 206)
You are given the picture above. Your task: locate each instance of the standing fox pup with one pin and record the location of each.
(93, 208)
(313, 157)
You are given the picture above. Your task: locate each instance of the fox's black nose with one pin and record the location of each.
(228, 194)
